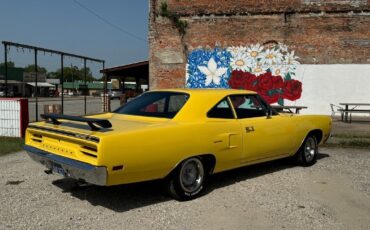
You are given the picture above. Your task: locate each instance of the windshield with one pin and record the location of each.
(155, 104)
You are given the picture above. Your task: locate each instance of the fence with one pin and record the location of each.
(13, 117)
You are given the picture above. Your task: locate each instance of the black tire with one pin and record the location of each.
(187, 181)
(307, 153)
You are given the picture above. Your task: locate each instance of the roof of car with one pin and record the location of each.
(209, 91)
(201, 101)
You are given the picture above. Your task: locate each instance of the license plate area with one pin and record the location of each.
(57, 168)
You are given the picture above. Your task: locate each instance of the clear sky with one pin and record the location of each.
(113, 30)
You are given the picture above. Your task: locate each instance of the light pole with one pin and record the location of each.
(73, 82)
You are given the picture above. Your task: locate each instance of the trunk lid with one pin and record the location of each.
(76, 140)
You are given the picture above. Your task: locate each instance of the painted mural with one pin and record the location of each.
(268, 70)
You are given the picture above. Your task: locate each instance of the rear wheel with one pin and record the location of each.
(307, 154)
(187, 180)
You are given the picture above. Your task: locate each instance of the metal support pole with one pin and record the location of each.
(36, 94)
(85, 86)
(123, 84)
(137, 81)
(105, 90)
(6, 69)
(62, 79)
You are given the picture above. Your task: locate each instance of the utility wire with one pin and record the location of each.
(108, 22)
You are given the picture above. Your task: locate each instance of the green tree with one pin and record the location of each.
(73, 74)
(10, 64)
(52, 75)
(31, 69)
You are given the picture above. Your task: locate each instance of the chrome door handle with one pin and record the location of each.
(249, 129)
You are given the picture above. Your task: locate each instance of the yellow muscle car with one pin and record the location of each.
(180, 135)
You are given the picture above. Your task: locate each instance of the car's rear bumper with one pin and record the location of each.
(70, 168)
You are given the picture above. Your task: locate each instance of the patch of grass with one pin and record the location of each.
(346, 135)
(10, 144)
(349, 143)
(362, 143)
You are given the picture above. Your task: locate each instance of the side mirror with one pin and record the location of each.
(269, 113)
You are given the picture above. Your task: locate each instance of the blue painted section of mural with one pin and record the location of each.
(208, 68)
(267, 70)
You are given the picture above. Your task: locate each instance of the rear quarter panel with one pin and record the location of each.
(152, 153)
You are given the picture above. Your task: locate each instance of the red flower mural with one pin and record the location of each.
(292, 90)
(270, 98)
(265, 82)
(243, 80)
(237, 80)
(277, 82)
(272, 88)
(250, 82)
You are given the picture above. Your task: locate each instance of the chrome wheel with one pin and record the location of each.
(191, 175)
(310, 149)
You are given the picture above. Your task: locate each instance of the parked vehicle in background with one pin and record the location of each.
(113, 94)
(10, 94)
(53, 93)
(181, 135)
(70, 93)
(116, 94)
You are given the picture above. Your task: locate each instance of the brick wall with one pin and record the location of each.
(320, 32)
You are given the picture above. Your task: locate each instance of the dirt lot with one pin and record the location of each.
(332, 194)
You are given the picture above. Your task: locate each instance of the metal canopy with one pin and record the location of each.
(62, 54)
(40, 84)
(6, 43)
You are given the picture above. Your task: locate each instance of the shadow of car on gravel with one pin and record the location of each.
(119, 198)
(123, 198)
(249, 172)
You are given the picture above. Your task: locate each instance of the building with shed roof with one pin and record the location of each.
(23, 84)
(133, 76)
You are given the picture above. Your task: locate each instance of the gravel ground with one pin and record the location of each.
(332, 194)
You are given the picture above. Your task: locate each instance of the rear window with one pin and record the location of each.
(155, 104)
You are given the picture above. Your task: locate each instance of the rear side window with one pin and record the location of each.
(221, 110)
(176, 102)
(155, 104)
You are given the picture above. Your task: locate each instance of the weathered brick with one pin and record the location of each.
(200, 7)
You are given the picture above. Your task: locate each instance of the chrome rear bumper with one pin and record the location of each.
(69, 168)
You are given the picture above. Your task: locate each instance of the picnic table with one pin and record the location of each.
(350, 108)
(288, 108)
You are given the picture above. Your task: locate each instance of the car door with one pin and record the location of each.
(264, 135)
(225, 135)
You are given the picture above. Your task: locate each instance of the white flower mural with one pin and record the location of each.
(258, 69)
(254, 52)
(213, 74)
(279, 70)
(283, 47)
(271, 57)
(290, 62)
(240, 62)
(236, 50)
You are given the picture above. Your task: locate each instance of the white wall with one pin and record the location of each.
(325, 84)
